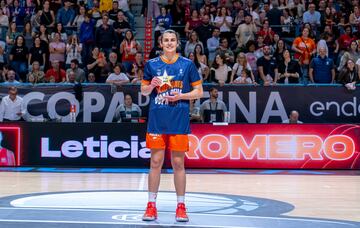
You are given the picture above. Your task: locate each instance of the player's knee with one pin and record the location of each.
(156, 164)
(178, 164)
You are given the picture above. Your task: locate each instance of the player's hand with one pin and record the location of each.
(175, 96)
(155, 82)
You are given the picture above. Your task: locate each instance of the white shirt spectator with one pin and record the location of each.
(10, 109)
(117, 77)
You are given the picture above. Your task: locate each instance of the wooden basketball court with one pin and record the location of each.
(216, 198)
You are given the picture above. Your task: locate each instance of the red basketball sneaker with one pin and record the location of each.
(150, 213)
(181, 215)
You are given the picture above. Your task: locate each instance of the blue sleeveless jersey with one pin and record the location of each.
(178, 76)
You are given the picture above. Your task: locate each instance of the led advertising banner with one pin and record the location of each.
(275, 146)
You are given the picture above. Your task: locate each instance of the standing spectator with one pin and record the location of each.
(274, 17)
(12, 107)
(220, 72)
(345, 40)
(109, 67)
(128, 49)
(80, 18)
(11, 35)
(163, 22)
(305, 48)
(73, 50)
(105, 36)
(354, 19)
(4, 20)
(96, 63)
(59, 29)
(213, 109)
(44, 35)
(87, 36)
(28, 35)
(349, 75)
(18, 57)
(312, 17)
(267, 67)
(124, 6)
(352, 53)
(114, 11)
(267, 33)
(192, 23)
(57, 49)
(251, 57)
(79, 73)
(191, 43)
(117, 78)
(55, 74)
(2, 56)
(136, 73)
(37, 53)
(213, 44)
(47, 16)
(17, 13)
(36, 75)
(240, 66)
(224, 22)
(289, 70)
(128, 111)
(245, 32)
(293, 118)
(66, 14)
(322, 68)
(198, 51)
(287, 23)
(120, 26)
(205, 31)
(279, 51)
(156, 50)
(203, 69)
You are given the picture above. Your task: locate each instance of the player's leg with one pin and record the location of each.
(177, 162)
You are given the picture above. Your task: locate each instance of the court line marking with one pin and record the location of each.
(120, 223)
(142, 181)
(319, 220)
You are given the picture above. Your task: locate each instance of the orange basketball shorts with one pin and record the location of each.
(179, 143)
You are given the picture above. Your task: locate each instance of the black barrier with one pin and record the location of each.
(247, 104)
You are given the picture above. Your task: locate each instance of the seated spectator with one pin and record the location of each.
(44, 36)
(267, 33)
(47, 16)
(279, 51)
(18, 57)
(11, 75)
(57, 49)
(79, 73)
(194, 111)
(322, 68)
(70, 77)
(156, 50)
(96, 63)
(66, 14)
(289, 70)
(59, 29)
(136, 73)
(345, 40)
(128, 111)
(213, 109)
(73, 50)
(109, 67)
(12, 107)
(191, 43)
(244, 78)
(293, 118)
(117, 78)
(17, 13)
(11, 35)
(267, 67)
(220, 72)
(238, 68)
(352, 53)
(4, 20)
(259, 47)
(287, 23)
(37, 53)
(199, 52)
(305, 48)
(28, 35)
(226, 51)
(55, 74)
(36, 75)
(2, 54)
(349, 75)
(91, 78)
(245, 32)
(203, 69)
(213, 45)
(128, 49)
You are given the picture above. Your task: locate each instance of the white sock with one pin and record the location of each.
(180, 199)
(152, 196)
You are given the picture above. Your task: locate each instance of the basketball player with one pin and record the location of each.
(7, 157)
(171, 81)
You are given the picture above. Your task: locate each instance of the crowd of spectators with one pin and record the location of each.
(230, 41)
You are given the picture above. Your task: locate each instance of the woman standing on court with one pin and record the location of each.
(171, 81)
